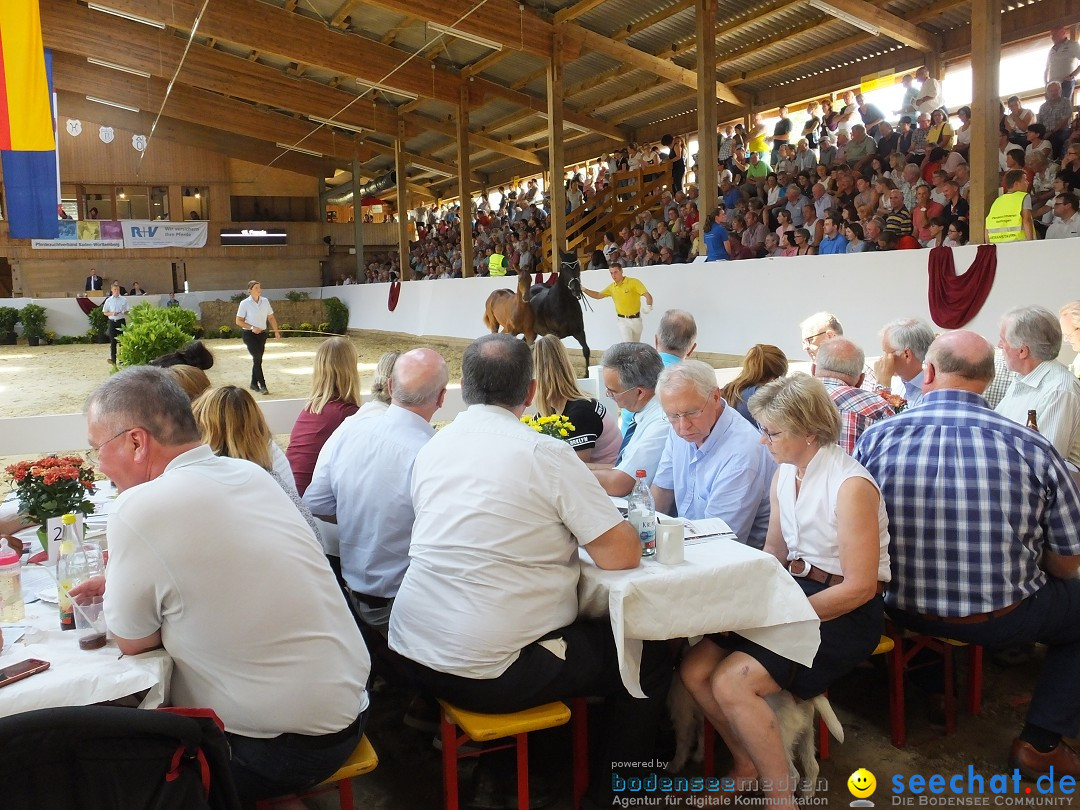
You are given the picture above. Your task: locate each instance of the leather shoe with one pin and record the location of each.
(1032, 763)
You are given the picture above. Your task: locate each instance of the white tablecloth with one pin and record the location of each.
(721, 585)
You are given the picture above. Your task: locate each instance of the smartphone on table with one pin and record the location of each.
(23, 669)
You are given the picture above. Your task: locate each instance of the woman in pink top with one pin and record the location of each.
(335, 395)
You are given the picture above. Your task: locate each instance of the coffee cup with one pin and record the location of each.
(669, 543)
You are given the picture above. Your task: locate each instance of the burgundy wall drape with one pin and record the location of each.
(955, 300)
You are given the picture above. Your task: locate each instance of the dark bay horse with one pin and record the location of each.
(557, 309)
(511, 310)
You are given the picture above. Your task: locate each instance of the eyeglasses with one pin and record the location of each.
(93, 454)
(809, 341)
(769, 435)
(617, 394)
(688, 416)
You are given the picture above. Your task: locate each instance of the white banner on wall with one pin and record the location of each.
(140, 233)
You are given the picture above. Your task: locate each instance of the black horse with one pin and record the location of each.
(557, 309)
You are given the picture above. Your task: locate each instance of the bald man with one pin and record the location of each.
(985, 537)
(362, 481)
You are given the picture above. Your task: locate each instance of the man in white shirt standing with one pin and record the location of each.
(1063, 61)
(930, 97)
(210, 560)
(363, 481)
(253, 315)
(1031, 341)
(487, 612)
(115, 308)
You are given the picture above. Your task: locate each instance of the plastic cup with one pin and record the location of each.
(89, 622)
(669, 543)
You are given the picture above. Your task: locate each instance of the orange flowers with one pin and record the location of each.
(53, 486)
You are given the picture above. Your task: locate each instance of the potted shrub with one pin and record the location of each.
(99, 326)
(50, 337)
(225, 331)
(33, 317)
(154, 331)
(9, 316)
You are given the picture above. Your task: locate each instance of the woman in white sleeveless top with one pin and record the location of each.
(828, 527)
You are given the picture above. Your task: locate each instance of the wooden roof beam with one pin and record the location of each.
(651, 20)
(573, 12)
(339, 17)
(482, 64)
(727, 29)
(890, 25)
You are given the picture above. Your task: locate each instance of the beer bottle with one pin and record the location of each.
(1032, 422)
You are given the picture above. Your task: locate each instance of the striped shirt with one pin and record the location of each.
(974, 500)
(1051, 390)
(858, 410)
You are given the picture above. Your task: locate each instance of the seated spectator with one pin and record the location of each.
(840, 529)
(630, 371)
(956, 207)
(899, 220)
(484, 641)
(1067, 220)
(335, 395)
(839, 365)
(772, 245)
(860, 148)
(925, 210)
(1017, 120)
(1054, 115)
(936, 228)
(853, 231)
(763, 363)
(904, 344)
(963, 132)
(994, 561)
(179, 547)
(713, 464)
(833, 241)
(941, 132)
(1036, 136)
(888, 241)
(193, 380)
(956, 234)
(803, 247)
(1031, 340)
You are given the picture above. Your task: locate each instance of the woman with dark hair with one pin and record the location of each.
(941, 132)
(956, 235)
(598, 261)
(803, 247)
(963, 132)
(853, 230)
(763, 363)
(936, 226)
(715, 235)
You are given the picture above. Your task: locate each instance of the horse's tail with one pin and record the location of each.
(490, 321)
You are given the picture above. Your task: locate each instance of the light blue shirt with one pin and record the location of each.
(647, 444)
(913, 390)
(828, 247)
(364, 476)
(727, 477)
(625, 416)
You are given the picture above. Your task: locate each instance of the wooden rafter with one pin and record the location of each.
(338, 18)
(651, 20)
(892, 26)
(573, 12)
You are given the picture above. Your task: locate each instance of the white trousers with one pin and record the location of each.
(630, 329)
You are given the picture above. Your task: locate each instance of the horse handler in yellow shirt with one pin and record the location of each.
(627, 293)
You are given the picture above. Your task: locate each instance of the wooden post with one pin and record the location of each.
(401, 167)
(985, 111)
(706, 104)
(555, 150)
(358, 224)
(464, 194)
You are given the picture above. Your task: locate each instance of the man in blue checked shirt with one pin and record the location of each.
(985, 524)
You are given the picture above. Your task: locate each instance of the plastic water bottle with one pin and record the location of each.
(71, 569)
(641, 512)
(12, 607)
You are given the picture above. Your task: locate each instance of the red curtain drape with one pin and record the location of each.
(955, 300)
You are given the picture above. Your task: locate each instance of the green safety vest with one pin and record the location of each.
(1005, 222)
(497, 264)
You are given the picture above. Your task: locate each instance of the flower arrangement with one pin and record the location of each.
(53, 486)
(556, 425)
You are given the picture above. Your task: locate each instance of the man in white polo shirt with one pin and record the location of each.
(487, 612)
(211, 560)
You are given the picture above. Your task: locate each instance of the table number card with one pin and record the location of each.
(54, 527)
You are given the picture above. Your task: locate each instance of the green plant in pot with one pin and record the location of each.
(34, 318)
(153, 331)
(9, 316)
(99, 326)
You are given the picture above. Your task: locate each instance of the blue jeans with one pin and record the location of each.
(264, 768)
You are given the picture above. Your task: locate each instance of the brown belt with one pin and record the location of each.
(803, 570)
(974, 618)
(628, 316)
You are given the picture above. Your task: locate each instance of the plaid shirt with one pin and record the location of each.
(858, 410)
(974, 499)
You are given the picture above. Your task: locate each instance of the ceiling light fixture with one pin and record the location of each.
(844, 16)
(290, 148)
(339, 124)
(127, 107)
(476, 39)
(387, 89)
(125, 15)
(93, 60)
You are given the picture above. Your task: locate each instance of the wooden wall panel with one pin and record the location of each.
(253, 179)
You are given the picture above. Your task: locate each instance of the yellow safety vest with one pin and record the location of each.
(1005, 222)
(497, 264)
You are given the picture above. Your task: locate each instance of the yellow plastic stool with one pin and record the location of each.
(362, 760)
(483, 727)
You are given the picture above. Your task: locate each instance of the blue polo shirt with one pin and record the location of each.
(829, 247)
(714, 242)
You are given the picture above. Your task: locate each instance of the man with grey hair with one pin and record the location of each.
(903, 348)
(676, 336)
(714, 463)
(1031, 341)
(275, 654)
(983, 517)
(839, 366)
(363, 479)
(822, 326)
(630, 371)
(487, 613)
